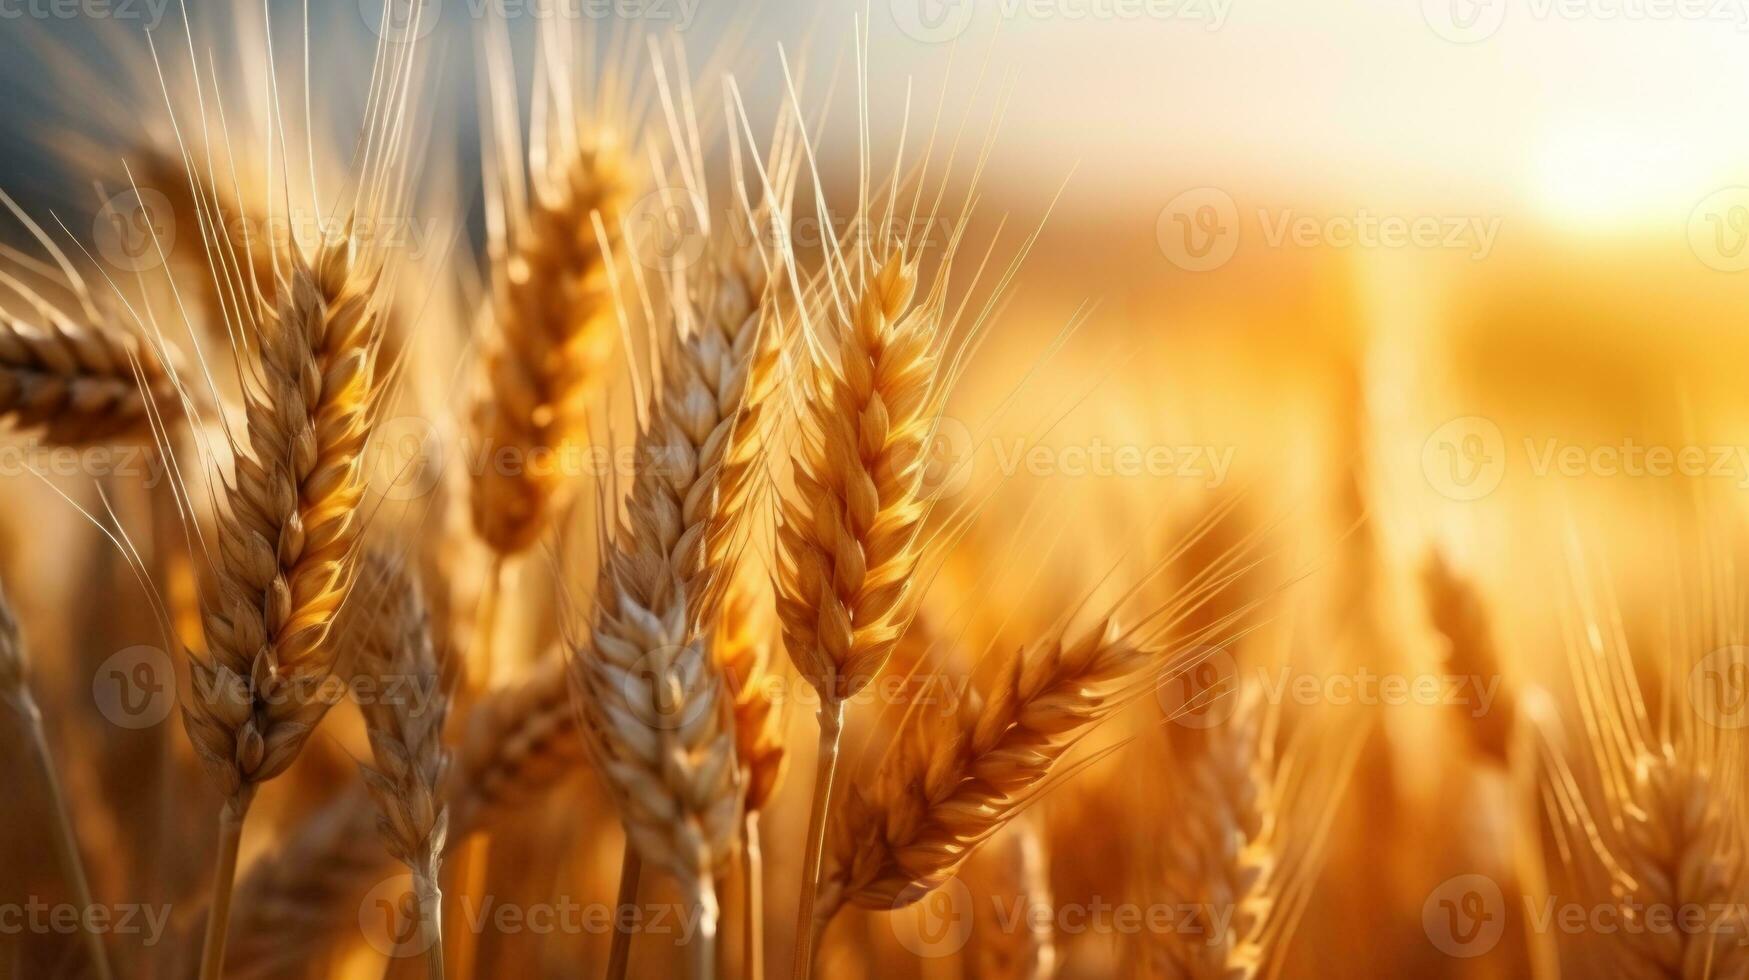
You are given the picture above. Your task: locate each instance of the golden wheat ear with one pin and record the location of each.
(555, 206)
(288, 504)
(69, 371)
(1654, 817)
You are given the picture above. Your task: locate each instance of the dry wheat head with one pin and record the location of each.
(289, 525)
(744, 656)
(553, 322)
(75, 382)
(848, 535)
(950, 783)
(405, 718)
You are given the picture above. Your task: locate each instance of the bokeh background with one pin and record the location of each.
(1385, 260)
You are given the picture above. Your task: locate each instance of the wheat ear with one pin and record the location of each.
(1461, 620)
(518, 742)
(848, 535)
(947, 785)
(15, 692)
(1669, 826)
(1222, 855)
(75, 382)
(406, 739)
(553, 326)
(1012, 869)
(288, 530)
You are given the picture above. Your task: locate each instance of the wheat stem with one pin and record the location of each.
(753, 899)
(431, 923)
(704, 945)
(826, 766)
(630, 869)
(212, 958)
(66, 842)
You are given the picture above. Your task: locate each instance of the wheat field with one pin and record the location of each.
(636, 489)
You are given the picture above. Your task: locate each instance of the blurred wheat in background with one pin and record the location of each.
(941, 488)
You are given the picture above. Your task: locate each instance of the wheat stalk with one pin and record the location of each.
(15, 692)
(848, 536)
(744, 658)
(406, 739)
(288, 530)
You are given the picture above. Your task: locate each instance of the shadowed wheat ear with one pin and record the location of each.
(519, 742)
(1248, 834)
(68, 371)
(15, 694)
(1012, 873)
(405, 725)
(551, 326)
(654, 709)
(1461, 620)
(1654, 823)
